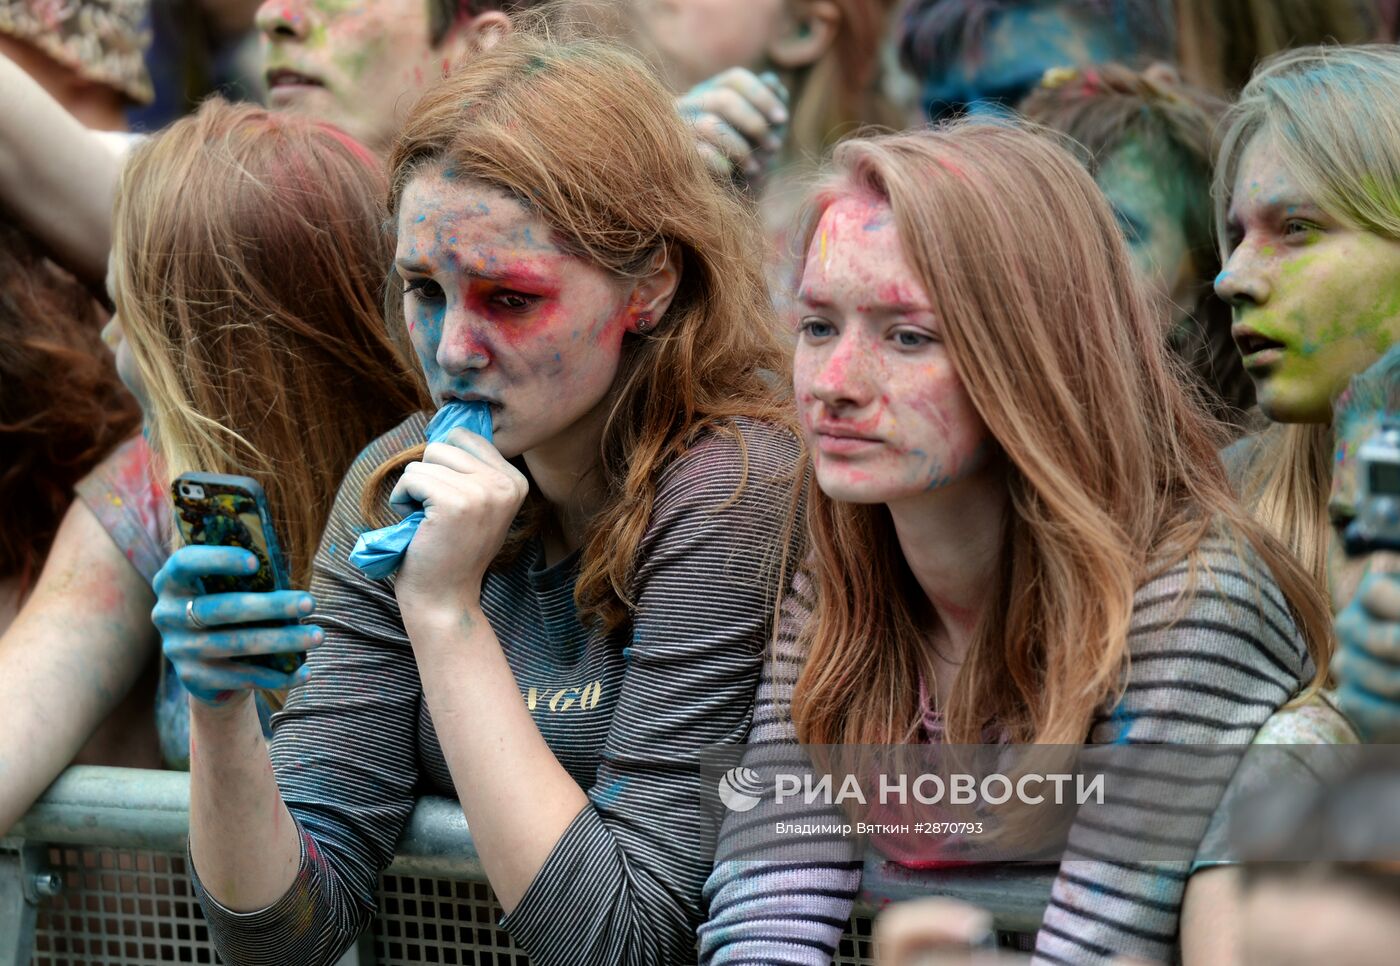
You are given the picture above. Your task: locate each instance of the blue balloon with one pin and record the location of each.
(378, 553)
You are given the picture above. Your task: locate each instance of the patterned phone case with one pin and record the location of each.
(232, 512)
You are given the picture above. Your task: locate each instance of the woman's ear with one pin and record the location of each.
(474, 34)
(809, 32)
(487, 29)
(652, 295)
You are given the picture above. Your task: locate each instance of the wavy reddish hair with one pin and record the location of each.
(62, 408)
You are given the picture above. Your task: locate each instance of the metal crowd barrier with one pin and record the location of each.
(95, 874)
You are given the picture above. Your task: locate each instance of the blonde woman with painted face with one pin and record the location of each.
(1308, 205)
(1019, 527)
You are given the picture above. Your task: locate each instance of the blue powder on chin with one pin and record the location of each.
(378, 553)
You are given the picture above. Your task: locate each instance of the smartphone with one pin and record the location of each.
(219, 510)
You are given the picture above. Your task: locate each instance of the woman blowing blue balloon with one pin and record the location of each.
(584, 607)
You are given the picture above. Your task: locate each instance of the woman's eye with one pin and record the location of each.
(1297, 229)
(513, 301)
(908, 339)
(423, 288)
(816, 328)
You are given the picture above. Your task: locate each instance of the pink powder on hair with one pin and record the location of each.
(355, 147)
(952, 168)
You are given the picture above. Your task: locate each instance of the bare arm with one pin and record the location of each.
(69, 657)
(485, 730)
(242, 839)
(1210, 918)
(243, 842)
(56, 175)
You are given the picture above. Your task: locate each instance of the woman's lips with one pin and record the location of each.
(845, 444)
(284, 84)
(1258, 351)
(494, 406)
(1263, 360)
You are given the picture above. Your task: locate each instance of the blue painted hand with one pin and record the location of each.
(739, 120)
(203, 634)
(1367, 664)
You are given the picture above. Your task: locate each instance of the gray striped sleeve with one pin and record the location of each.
(763, 911)
(1208, 672)
(343, 750)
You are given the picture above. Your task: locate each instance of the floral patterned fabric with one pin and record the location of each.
(103, 40)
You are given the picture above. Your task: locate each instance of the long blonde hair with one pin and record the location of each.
(617, 190)
(1333, 115)
(1112, 470)
(248, 258)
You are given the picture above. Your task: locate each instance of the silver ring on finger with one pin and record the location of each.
(190, 617)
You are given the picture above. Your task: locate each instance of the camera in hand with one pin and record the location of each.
(1377, 522)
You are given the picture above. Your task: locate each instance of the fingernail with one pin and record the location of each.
(251, 564)
(772, 142)
(317, 636)
(779, 115)
(307, 605)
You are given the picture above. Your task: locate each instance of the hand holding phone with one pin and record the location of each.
(224, 608)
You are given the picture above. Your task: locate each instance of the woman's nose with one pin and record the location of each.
(462, 347)
(1245, 278)
(283, 20)
(844, 377)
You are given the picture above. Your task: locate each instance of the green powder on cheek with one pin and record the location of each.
(1297, 266)
(357, 59)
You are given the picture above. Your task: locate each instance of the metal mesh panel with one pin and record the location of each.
(121, 907)
(437, 921)
(856, 947)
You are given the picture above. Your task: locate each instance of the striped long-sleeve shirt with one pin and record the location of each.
(1209, 668)
(627, 714)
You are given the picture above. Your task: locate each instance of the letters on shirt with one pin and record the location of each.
(558, 700)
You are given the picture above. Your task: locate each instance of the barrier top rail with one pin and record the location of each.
(139, 809)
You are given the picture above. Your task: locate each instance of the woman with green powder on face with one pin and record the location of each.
(1308, 209)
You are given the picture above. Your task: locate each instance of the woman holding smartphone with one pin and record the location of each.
(584, 608)
(246, 271)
